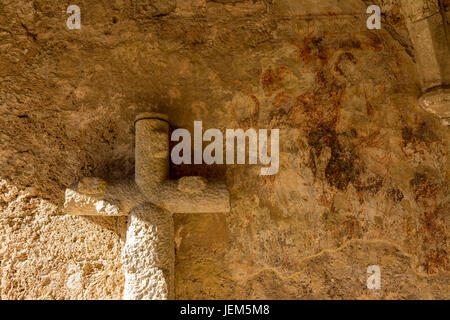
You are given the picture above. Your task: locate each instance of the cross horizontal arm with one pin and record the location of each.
(194, 195)
(96, 197)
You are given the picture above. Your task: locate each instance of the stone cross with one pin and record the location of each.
(429, 28)
(148, 255)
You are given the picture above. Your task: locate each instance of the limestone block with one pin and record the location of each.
(192, 185)
(96, 197)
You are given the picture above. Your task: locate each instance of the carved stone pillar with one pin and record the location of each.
(428, 24)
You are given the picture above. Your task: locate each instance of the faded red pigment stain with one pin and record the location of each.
(317, 112)
(257, 104)
(421, 134)
(281, 99)
(272, 79)
(427, 191)
(312, 50)
(344, 166)
(433, 228)
(432, 222)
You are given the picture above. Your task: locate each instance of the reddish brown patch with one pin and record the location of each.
(433, 226)
(281, 99)
(371, 186)
(319, 108)
(423, 188)
(304, 53)
(436, 260)
(321, 80)
(312, 50)
(352, 228)
(375, 42)
(254, 116)
(395, 194)
(256, 101)
(434, 233)
(370, 109)
(423, 133)
(342, 59)
(269, 180)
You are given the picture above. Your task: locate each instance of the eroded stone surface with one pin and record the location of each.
(360, 161)
(148, 256)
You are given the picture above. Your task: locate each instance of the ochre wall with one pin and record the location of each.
(364, 171)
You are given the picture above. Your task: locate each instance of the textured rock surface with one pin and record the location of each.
(363, 174)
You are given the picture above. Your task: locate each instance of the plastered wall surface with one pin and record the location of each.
(364, 171)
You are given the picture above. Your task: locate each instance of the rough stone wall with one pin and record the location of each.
(364, 171)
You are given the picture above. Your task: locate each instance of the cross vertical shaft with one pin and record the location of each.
(148, 256)
(151, 151)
